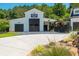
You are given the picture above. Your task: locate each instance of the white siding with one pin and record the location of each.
(74, 20)
(16, 21)
(40, 16)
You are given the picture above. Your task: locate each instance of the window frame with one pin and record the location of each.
(34, 15)
(77, 9)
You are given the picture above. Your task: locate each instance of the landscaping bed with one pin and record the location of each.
(66, 47)
(54, 50)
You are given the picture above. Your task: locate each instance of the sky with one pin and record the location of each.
(11, 5)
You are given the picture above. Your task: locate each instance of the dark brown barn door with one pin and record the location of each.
(19, 27)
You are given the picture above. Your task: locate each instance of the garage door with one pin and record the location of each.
(34, 25)
(19, 27)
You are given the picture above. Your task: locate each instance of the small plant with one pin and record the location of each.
(38, 50)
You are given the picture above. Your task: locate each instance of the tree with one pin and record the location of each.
(66, 17)
(59, 9)
(4, 24)
(2, 14)
(74, 5)
(46, 9)
(17, 12)
(12, 15)
(53, 16)
(34, 6)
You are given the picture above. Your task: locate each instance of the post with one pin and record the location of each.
(48, 26)
(71, 26)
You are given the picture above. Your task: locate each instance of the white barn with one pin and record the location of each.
(33, 21)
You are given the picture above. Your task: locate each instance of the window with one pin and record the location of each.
(76, 11)
(34, 15)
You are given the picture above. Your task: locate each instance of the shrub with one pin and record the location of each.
(56, 51)
(38, 50)
(51, 51)
(71, 37)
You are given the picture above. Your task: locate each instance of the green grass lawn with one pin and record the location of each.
(8, 34)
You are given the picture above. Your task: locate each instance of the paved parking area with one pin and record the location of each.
(21, 45)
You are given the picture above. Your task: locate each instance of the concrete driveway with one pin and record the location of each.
(23, 44)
